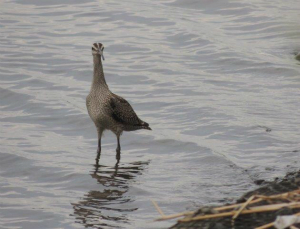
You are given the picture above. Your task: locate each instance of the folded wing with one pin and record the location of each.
(123, 112)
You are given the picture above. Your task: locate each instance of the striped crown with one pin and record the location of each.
(97, 48)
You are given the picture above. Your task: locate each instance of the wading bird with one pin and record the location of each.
(108, 110)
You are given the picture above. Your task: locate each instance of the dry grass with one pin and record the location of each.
(254, 204)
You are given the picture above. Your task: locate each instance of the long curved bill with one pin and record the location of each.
(101, 53)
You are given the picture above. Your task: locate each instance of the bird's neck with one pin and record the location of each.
(98, 72)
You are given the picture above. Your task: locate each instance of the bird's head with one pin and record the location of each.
(97, 49)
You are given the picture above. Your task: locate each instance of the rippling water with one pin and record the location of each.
(217, 81)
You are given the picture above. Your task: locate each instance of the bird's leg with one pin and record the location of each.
(98, 151)
(99, 146)
(118, 150)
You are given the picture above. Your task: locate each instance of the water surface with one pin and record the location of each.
(216, 80)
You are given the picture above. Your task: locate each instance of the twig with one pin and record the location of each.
(167, 217)
(260, 198)
(266, 226)
(242, 207)
(288, 196)
(252, 210)
(235, 205)
(158, 208)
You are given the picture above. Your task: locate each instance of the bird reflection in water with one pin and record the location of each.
(110, 206)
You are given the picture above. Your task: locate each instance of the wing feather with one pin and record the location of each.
(123, 112)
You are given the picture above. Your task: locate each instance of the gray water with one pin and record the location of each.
(217, 81)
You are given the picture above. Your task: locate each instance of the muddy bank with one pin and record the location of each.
(281, 195)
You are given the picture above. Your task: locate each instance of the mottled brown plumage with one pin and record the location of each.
(108, 110)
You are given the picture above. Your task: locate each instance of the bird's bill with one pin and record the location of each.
(101, 54)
